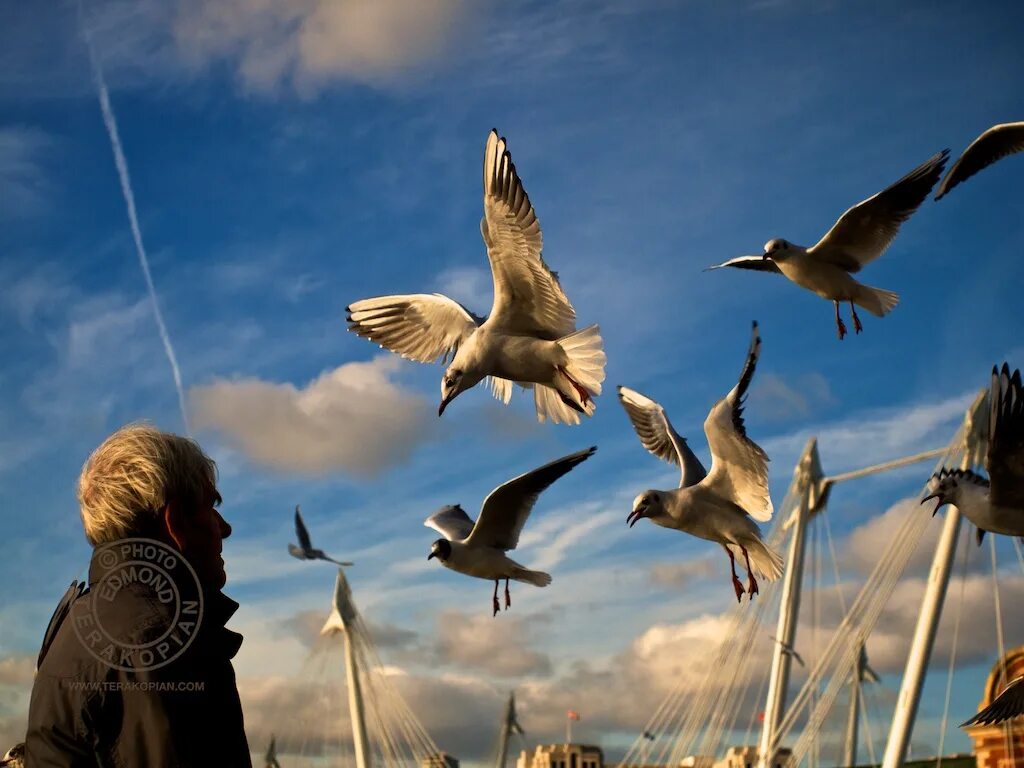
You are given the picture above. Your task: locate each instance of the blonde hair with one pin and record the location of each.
(131, 477)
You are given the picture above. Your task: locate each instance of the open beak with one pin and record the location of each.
(430, 556)
(764, 257)
(937, 506)
(635, 515)
(444, 404)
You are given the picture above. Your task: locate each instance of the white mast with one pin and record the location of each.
(807, 479)
(975, 429)
(342, 617)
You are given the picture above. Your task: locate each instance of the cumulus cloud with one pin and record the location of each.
(478, 642)
(16, 673)
(353, 418)
(776, 398)
(310, 42)
(308, 714)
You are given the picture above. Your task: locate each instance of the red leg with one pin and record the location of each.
(508, 597)
(736, 583)
(582, 392)
(857, 327)
(752, 582)
(495, 600)
(840, 326)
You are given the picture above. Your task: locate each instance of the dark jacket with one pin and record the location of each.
(100, 701)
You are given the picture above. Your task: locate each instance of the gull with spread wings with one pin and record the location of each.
(1006, 706)
(995, 504)
(305, 549)
(997, 142)
(530, 336)
(720, 505)
(478, 549)
(860, 236)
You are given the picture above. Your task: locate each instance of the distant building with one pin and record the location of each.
(1000, 746)
(440, 760)
(562, 756)
(746, 757)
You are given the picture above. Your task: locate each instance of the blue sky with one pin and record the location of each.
(286, 163)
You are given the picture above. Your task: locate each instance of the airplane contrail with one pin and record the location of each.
(129, 198)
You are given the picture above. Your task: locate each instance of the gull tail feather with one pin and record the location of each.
(767, 563)
(551, 407)
(585, 350)
(537, 578)
(877, 301)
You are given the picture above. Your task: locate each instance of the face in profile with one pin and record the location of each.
(199, 533)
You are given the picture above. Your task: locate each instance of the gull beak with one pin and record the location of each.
(444, 404)
(635, 515)
(764, 256)
(937, 506)
(430, 556)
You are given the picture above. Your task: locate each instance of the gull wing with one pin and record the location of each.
(739, 467)
(1005, 462)
(506, 508)
(452, 522)
(758, 263)
(1008, 704)
(528, 298)
(301, 532)
(659, 437)
(997, 142)
(864, 231)
(425, 327)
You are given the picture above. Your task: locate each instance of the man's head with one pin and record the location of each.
(148, 483)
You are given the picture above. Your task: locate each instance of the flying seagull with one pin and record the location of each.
(1008, 704)
(719, 506)
(789, 650)
(530, 336)
(997, 142)
(14, 757)
(271, 757)
(860, 236)
(478, 549)
(995, 504)
(305, 549)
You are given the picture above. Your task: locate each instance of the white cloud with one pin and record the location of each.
(470, 286)
(876, 435)
(676, 575)
(776, 398)
(22, 177)
(308, 43)
(353, 418)
(498, 646)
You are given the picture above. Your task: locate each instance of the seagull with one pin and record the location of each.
(478, 549)
(530, 336)
(859, 236)
(997, 142)
(789, 650)
(14, 758)
(271, 757)
(995, 504)
(305, 549)
(719, 506)
(1007, 705)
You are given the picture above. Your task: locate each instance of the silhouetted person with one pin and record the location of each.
(135, 668)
